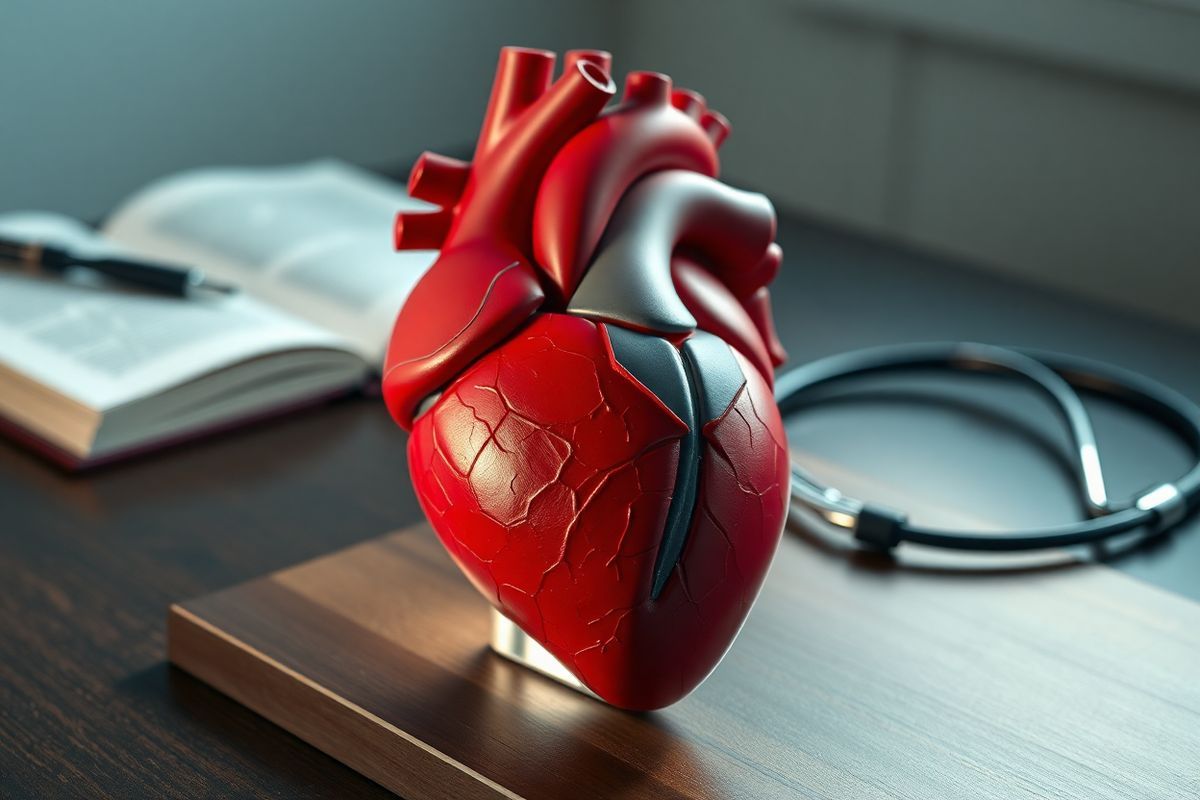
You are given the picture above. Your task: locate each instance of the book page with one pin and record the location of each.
(104, 346)
(314, 239)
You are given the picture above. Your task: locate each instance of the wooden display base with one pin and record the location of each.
(849, 680)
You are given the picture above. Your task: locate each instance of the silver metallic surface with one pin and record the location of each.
(514, 644)
(1167, 501)
(629, 281)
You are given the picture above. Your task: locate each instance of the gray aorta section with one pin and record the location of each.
(697, 383)
(629, 281)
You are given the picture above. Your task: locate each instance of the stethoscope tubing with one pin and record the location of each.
(1056, 376)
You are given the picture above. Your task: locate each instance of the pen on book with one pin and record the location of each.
(37, 258)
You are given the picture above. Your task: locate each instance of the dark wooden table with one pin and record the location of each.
(89, 564)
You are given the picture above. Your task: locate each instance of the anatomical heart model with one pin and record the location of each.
(586, 371)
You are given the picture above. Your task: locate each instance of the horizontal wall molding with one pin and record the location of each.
(1156, 41)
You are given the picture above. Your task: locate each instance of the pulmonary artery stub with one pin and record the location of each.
(586, 371)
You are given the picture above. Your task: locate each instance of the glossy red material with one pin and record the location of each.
(587, 178)
(717, 311)
(552, 502)
(545, 466)
(484, 284)
(758, 306)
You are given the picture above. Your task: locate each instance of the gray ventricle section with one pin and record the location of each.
(657, 364)
(697, 384)
(716, 372)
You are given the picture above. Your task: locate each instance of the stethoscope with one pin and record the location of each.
(1055, 375)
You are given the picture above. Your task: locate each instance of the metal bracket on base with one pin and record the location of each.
(514, 644)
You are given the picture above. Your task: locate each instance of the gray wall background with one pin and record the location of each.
(1055, 140)
(101, 97)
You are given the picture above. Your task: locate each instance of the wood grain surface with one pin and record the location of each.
(845, 682)
(89, 563)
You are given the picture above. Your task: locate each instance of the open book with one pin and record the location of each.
(90, 371)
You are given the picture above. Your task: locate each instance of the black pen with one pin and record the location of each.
(37, 258)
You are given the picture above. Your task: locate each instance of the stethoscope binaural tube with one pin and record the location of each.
(1056, 376)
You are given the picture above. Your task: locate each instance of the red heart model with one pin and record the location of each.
(586, 371)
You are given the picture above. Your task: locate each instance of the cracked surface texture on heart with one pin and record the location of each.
(553, 503)
(620, 503)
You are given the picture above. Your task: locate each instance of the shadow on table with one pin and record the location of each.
(218, 735)
(566, 743)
